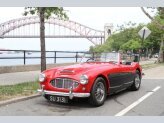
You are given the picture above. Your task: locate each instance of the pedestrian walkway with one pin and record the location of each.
(18, 77)
(154, 73)
(150, 61)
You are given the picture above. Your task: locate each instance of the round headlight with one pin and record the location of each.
(84, 79)
(42, 77)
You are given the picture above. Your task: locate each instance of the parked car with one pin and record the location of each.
(94, 78)
(156, 55)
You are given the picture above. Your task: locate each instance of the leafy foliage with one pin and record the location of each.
(121, 40)
(126, 37)
(131, 45)
(48, 11)
(44, 13)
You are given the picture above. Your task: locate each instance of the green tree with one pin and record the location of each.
(160, 13)
(91, 49)
(126, 36)
(119, 38)
(132, 45)
(157, 25)
(44, 13)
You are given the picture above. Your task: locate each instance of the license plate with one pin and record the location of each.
(58, 99)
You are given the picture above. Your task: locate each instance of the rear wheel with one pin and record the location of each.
(98, 92)
(137, 82)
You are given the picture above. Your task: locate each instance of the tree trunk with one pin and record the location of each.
(160, 26)
(42, 38)
(161, 52)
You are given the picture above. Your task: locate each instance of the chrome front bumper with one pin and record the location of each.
(70, 94)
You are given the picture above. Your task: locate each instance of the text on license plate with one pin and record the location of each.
(58, 99)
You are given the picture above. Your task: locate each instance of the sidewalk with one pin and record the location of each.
(18, 77)
(150, 61)
(154, 73)
(21, 77)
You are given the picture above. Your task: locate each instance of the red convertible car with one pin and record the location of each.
(93, 78)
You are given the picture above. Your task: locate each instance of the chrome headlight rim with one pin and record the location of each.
(42, 77)
(83, 79)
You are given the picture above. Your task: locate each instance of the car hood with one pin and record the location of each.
(79, 68)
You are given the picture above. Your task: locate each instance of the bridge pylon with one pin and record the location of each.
(108, 29)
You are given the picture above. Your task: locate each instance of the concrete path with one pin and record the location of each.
(154, 73)
(19, 77)
(149, 61)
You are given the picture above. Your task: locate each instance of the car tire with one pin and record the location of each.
(46, 97)
(98, 92)
(137, 82)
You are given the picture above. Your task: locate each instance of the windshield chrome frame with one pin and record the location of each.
(117, 60)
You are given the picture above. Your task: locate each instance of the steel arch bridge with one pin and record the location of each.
(28, 27)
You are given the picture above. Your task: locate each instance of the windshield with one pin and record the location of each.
(101, 57)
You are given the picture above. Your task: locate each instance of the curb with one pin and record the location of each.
(19, 99)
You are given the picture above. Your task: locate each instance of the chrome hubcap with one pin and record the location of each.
(100, 92)
(137, 81)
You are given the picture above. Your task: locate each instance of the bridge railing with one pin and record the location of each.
(24, 55)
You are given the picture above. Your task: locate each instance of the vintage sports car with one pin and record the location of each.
(94, 78)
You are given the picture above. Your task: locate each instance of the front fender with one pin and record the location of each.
(93, 75)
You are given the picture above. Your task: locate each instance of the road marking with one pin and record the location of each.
(124, 111)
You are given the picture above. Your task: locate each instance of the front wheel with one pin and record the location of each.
(98, 92)
(137, 82)
(46, 97)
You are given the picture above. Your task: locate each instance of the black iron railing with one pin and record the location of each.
(26, 55)
(74, 56)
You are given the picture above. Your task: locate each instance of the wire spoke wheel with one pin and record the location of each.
(100, 91)
(137, 81)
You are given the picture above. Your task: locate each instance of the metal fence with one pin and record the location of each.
(71, 56)
(26, 54)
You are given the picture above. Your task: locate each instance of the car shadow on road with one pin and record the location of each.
(82, 102)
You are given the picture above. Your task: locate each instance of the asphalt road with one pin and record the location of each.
(144, 102)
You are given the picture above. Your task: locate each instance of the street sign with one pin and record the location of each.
(144, 32)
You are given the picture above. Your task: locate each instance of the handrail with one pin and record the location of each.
(24, 57)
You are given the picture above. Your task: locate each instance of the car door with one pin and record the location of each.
(116, 78)
(127, 75)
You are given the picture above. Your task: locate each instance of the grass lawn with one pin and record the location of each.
(18, 90)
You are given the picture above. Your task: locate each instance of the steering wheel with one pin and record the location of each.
(90, 59)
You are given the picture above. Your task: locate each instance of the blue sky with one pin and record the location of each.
(94, 17)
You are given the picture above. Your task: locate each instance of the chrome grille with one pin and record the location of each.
(64, 83)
